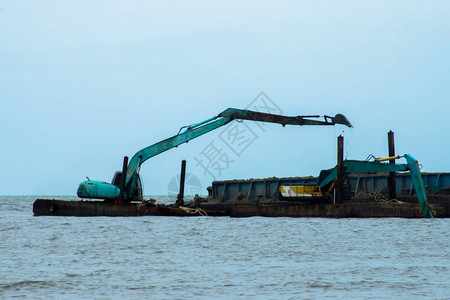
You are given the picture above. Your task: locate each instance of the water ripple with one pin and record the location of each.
(225, 258)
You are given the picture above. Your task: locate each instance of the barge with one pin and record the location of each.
(54, 207)
(365, 196)
(350, 189)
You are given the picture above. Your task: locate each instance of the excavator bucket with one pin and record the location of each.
(341, 119)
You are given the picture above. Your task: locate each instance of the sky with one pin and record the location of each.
(85, 83)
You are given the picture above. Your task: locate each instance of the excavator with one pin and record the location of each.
(126, 185)
(327, 182)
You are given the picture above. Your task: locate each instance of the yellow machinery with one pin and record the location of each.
(301, 191)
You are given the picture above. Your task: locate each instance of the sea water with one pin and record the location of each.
(154, 257)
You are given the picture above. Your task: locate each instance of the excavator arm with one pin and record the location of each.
(355, 166)
(87, 190)
(223, 118)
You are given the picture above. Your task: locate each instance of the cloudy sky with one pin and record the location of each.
(84, 83)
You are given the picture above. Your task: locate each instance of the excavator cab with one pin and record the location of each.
(137, 190)
(117, 179)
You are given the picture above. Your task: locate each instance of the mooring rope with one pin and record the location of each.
(194, 211)
(392, 201)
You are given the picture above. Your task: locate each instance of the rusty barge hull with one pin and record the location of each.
(328, 210)
(52, 207)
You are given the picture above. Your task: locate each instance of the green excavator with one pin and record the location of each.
(126, 184)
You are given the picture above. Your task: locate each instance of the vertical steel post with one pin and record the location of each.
(391, 178)
(340, 171)
(123, 178)
(180, 197)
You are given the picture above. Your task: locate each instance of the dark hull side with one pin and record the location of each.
(329, 210)
(47, 207)
(52, 207)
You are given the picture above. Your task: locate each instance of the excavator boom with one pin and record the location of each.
(223, 118)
